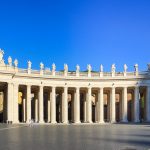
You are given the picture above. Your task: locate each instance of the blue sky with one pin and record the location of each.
(76, 32)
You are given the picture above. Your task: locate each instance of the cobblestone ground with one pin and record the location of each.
(75, 137)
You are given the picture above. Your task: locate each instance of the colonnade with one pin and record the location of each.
(12, 104)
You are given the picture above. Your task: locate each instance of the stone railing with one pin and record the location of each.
(12, 68)
(15, 70)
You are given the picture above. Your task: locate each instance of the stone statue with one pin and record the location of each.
(136, 67)
(89, 68)
(113, 68)
(77, 68)
(125, 68)
(1, 57)
(9, 61)
(53, 67)
(41, 66)
(101, 68)
(29, 64)
(16, 63)
(65, 67)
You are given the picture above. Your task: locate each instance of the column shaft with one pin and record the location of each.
(41, 112)
(53, 105)
(113, 106)
(15, 106)
(124, 105)
(65, 106)
(36, 109)
(28, 103)
(89, 106)
(9, 102)
(100, 106)
(77, 106)
(136, 104)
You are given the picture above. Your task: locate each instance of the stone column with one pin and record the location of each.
(124, 105)
(41, 112)
(24, 109)
(15, 104)
(28, 108)
(84, 107)
(36, 107)
(9, 102)
(89, 106)
(136, 104)
(101, 105)
(113, 106)
(49, 108)
(65, 105)
(77, 106)
(53, 105)
(148, 104)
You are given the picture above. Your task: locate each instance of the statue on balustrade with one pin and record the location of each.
(65, 67)
(125, 68)
(89, 68)
(1, 57)
(113, 68)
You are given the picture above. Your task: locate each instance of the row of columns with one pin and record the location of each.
(12, 114)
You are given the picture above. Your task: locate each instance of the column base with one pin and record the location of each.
(77, 122)
(53, 122)
(41, 121)
(89, 121)
(113, 121)
(101, 122)
(65, 122)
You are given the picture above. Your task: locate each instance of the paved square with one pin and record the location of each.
(75, 137)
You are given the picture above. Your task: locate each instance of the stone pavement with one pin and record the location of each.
(75, 137)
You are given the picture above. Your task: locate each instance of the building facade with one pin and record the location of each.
(50, 96)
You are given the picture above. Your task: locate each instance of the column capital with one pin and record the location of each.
(28, 85)
(15, 83)
(41, 86)
(124, 87)
(53, 87)
(77, 87)
(65, 87)
(9, 82)
(113, 87)
(89, 87)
